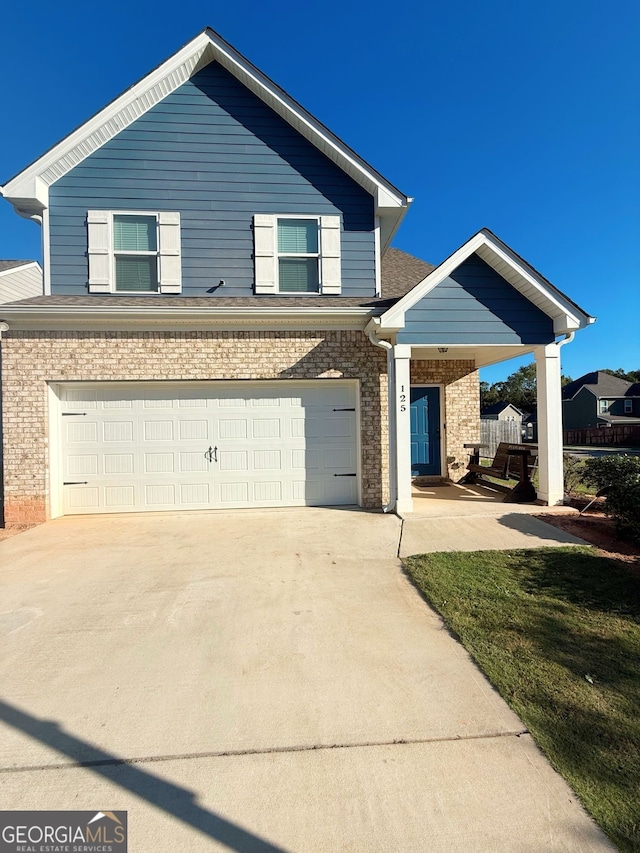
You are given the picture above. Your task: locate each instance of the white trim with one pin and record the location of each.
(24, 266)
(566, 317)
(54, 472)
(46, 252)
(402, 371)
(377, 256)
(28, 190)
(549, 409)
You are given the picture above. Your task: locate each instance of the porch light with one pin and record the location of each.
(443, 349)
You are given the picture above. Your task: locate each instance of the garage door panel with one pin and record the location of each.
(119, 497)
(118, 463)
(193, 430)
(141, 447)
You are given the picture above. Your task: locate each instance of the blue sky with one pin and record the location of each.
(523, 118)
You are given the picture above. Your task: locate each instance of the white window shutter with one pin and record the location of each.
(264, 252)
(331, 279)
(99, 251)
(169, 260)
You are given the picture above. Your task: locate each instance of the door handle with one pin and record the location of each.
(211, 454)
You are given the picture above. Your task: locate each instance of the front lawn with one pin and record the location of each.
(557, 631)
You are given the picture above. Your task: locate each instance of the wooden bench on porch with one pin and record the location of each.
(511, 462)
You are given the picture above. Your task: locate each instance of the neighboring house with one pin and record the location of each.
(19, 280)
(501, 412)
(530, 427)
(598, 399)
(225, 325)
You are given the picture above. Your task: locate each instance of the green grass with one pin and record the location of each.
(557, 631)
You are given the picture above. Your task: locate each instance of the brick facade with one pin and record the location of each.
(32, 359)
(461, 406)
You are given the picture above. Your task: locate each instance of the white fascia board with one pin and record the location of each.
(21, 267)
(22, 318)
(104, 125)
(31, 185)
(563, 313)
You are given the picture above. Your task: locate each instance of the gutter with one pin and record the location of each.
(371, 332)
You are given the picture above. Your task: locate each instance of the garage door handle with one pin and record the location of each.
(212, 454)
(344, 475)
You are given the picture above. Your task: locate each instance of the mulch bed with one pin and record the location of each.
(597, 529)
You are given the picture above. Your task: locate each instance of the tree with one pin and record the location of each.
(629, 375)
(519, 389)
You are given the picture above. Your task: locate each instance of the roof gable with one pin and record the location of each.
(599, 383)
(565, 314)
(28, 191)
(498, 408)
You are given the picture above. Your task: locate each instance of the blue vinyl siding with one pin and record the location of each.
(475, 305)
(217, 154)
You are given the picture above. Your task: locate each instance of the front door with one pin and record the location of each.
(425, 432)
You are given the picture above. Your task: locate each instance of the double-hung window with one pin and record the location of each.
(628, 407)
(297, 254)
(134, 252)
(604, 406)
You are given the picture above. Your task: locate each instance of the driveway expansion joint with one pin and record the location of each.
(275, 750)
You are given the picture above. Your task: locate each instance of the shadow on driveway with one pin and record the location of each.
(170, 798)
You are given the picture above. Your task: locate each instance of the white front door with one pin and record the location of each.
(132, 447)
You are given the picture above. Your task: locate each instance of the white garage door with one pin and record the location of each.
(131, 447)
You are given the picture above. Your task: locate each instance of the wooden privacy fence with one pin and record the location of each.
(617, 434)
(495, 432)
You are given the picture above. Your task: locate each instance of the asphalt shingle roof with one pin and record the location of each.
(400, 273)
(496, 408)
(600, 383)
(9, 265)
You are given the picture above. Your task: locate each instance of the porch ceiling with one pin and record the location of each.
(480, 354)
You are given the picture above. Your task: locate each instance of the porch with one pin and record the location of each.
(457, 500)
(482, 306)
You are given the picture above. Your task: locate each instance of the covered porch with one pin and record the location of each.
(482, 306)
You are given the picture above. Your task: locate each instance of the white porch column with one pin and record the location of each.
(402, 357)
(550, 467)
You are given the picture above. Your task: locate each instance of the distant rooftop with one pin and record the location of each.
(600, 383)
(9, 265)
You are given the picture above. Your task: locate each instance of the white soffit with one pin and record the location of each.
(28, 189)
(566, 316)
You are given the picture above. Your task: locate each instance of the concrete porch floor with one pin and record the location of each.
(451, 517)
(453, 500)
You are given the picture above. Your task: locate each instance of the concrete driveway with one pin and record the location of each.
(258, 681)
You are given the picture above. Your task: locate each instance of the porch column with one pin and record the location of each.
(550, 463)
(402, 358)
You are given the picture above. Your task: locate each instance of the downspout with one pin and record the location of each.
(375, 340)
(569, 336)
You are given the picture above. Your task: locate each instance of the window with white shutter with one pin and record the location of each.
(134, 252)
(297, 254)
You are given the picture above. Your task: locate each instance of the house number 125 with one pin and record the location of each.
(403, 399)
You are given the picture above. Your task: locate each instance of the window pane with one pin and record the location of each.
(134, 233)
(299, 276)
(136, 273)
(298, 235)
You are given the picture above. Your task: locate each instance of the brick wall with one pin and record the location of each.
(461, 406)
(32, 359)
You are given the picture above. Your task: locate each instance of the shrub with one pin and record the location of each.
(573, 472)
(621, 476)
